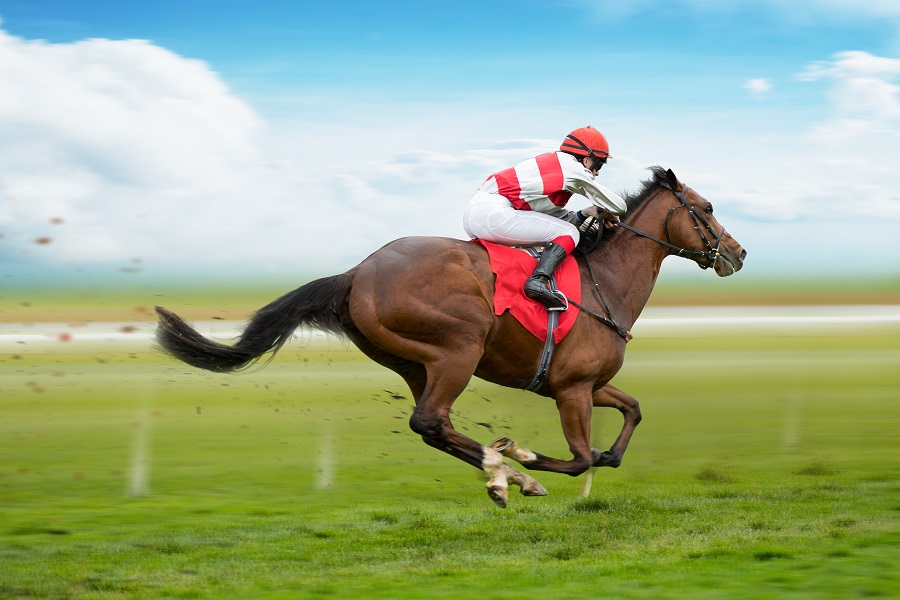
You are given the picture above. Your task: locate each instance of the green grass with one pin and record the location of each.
(766, 467)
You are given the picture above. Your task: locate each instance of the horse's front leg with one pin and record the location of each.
(574, 405)
(612, 397)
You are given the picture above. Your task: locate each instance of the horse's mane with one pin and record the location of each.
(632, 201)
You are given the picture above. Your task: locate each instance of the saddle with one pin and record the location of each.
(512, 267)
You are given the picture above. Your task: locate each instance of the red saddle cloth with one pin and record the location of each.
(513, 267)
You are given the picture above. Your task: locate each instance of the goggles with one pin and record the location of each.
(597, 163)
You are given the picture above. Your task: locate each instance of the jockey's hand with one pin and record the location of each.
(610, 220)
(592, 211)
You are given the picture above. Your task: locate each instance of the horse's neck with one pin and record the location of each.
(628, 269)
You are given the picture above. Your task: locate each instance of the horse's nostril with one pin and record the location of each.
(743, 254)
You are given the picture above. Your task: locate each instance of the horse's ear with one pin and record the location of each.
(672, 180)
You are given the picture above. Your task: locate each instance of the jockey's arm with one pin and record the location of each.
(599, 195)
(578, 217)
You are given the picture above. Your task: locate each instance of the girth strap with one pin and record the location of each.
(549, 344)
(546, 353)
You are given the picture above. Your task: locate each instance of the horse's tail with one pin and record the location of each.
(317, 304)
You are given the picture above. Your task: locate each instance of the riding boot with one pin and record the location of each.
(538, 285)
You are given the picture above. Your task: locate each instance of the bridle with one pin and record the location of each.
(710, 255)
(712, 249)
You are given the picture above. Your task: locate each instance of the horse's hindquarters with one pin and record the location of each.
(424, 299)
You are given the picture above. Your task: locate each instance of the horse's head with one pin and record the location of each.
(694, 231)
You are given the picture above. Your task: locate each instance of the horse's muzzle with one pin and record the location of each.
(731, 257)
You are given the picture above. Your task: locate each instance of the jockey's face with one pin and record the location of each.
(592, 164)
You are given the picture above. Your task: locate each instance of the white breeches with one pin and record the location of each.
(492, 217)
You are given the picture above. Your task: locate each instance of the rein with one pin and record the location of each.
(624, 333)
(711, 255)
(712, 251)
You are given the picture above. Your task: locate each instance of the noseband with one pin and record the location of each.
(712, 247)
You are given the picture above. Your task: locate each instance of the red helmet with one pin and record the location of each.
(586, 141)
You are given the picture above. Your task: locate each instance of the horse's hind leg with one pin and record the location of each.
(431, 419)
(412, 372)
(501, 475)
(446, 380)
(439, 435)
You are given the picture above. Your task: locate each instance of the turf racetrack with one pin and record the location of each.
(766, 466)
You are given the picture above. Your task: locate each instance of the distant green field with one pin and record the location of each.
(235, 300)
(766, 467)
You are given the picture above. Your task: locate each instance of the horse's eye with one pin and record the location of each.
(708, 209)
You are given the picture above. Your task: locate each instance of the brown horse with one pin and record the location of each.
(423, 307)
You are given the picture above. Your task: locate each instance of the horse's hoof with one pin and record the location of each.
(534, 489)
(499, 495)
(503, 445)
(605, 459)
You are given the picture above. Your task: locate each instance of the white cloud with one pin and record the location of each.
(139, 152)
(863, 84)
(840, 168)
(859, 144)
(758, 87)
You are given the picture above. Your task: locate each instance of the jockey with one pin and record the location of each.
(525, 205)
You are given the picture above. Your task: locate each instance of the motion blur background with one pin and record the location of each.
(210, 156)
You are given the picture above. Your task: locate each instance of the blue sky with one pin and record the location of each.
(292, 138)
